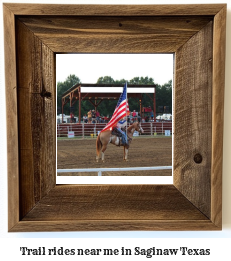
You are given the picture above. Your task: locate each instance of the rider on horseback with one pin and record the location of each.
(120, 127)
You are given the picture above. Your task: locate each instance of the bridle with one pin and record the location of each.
(140, 129)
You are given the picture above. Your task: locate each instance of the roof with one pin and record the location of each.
(101, 91)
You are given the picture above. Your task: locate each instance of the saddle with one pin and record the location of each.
(116, 132)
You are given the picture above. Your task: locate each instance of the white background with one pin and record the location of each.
(219, 242)
(119, 66)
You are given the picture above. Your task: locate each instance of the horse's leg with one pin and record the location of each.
(103, 150)
(97, 158)
(98, 148)
(126, 153)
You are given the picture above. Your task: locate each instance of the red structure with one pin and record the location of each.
(96, 93)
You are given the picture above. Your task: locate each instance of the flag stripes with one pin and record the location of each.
(121, 110)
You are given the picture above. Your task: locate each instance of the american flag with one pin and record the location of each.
(121, 110)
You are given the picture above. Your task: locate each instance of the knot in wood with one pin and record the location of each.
(198, 158)
(45, 94)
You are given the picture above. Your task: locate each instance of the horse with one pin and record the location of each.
(106, 137)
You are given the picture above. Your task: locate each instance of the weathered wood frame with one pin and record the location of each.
(33, 34)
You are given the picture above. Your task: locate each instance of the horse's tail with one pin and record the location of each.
(98, 145)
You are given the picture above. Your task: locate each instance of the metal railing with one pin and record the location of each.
(83, 130)
(100, 170)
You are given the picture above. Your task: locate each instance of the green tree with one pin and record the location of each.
(62, 87)
(106, 80)
(164, 96)
(106, 107)
(122, 81)
(142, 80)
(146, 99)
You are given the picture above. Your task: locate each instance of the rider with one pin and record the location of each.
(121, 127)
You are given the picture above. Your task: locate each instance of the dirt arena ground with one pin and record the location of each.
(143, 152)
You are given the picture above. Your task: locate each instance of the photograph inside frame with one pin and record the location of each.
(114, 114)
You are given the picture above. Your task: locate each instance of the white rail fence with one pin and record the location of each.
(88, 129)
(100, 170)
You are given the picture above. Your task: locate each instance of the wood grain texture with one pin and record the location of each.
(36, 106)
(218, 115)
(195, 202)
(12, 121)
(114, 202)
(114, 207)
(193, 113)
(115, 34)
(114, 225)
(114, 10)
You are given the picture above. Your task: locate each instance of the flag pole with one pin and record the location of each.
(126, 110)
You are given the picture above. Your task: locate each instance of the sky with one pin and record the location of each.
(90, 67)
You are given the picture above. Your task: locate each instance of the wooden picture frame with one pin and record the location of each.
(33, 34)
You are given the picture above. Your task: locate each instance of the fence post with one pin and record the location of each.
(151, 129)
(83, 130)
(162, 128)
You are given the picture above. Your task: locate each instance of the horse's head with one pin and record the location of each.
(138, 127)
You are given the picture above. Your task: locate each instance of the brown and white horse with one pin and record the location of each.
(107, 137)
